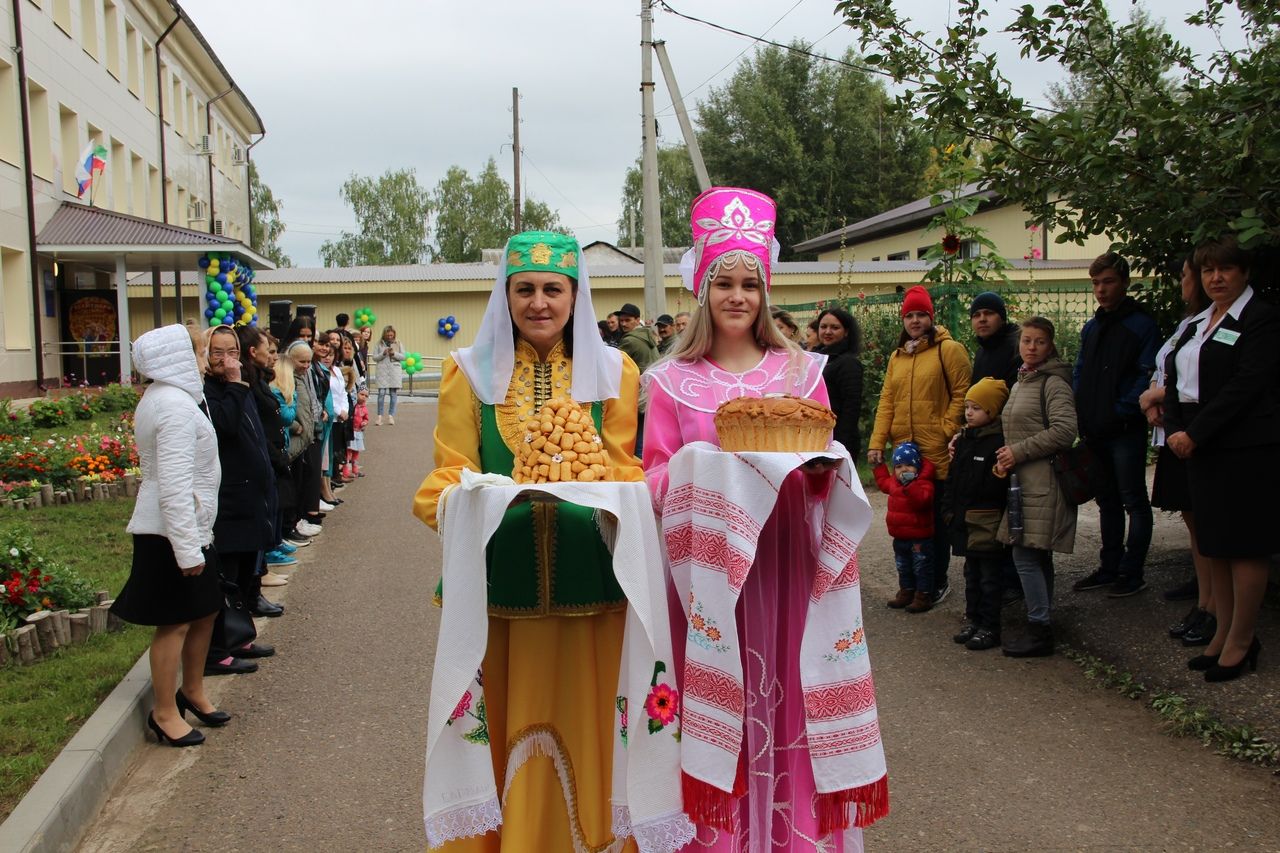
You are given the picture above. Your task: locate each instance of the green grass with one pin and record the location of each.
(42, 706)
(101, 422)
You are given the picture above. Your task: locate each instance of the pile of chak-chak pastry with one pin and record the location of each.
(561, 445)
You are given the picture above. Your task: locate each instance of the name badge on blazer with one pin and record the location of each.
(1226, 336)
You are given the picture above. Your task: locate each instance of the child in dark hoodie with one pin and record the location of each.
(910, 489)
(972, 506)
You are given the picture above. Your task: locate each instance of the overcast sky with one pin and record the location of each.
(363, 88)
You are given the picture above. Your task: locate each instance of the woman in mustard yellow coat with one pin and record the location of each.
(922, 400)
(556, 611)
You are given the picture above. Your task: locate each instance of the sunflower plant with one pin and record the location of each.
(948, 263)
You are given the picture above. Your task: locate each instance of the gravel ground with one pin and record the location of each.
(985, 752)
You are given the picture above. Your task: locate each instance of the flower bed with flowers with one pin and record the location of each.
(29, 583)
(105, 454)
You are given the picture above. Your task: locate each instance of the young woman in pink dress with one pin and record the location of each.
(733, 349)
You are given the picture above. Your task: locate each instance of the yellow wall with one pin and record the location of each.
(1005, 226)
(415, 307)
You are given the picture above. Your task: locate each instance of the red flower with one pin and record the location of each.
(662, 704)
(950, 244)
(464, 705)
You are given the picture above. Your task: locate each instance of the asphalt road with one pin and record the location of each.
(985, 753)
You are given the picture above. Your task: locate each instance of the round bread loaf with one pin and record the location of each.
(782, 423)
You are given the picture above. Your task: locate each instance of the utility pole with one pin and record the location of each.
(655, 301)
(686, 128)
(515, 150)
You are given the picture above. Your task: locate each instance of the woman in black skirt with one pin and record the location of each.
(1171, 491)
(1222, 414)
(174, 581)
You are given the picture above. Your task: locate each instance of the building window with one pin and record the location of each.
(899, 256)
(132, 49)
(876, 258)
(118, 170)
(179, 107)
(921, 252)
(164, 92)
(89, 27)
(41, 144)
(970, 249)
(62, 15)
(111, 33)
(17, 299)
(153, 189)
(69, 130)
(10, 115)
(149, 75)
(138, 177)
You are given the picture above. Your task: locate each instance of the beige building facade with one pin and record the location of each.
(139, 79)
(903, 234)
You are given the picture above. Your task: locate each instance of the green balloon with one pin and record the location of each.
(220, 314)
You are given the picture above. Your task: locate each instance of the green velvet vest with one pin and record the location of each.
(545, 559)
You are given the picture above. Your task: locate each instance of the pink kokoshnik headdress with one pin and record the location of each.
(729, 219)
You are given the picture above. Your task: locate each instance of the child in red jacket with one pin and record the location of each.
(910, 521)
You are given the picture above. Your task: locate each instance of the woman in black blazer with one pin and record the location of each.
(1222, 414)
(841, 342)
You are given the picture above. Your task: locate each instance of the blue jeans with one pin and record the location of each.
(1125, 457)
(1035, 571)
(914, 560)
(382, 396)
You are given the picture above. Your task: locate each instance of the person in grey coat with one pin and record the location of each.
(1039, 421)
(387, 355)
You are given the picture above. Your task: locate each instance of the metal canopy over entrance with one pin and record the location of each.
(118, 244)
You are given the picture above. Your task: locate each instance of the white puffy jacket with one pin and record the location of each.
(177, 447)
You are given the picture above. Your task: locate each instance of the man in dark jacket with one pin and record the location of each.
(1117, 357)
(997, 356)
(637, 342)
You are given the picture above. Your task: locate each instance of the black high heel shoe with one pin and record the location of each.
(191, 738)
(1202, 663)
(1218, 672)
(213, 718)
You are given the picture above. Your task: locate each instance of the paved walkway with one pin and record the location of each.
(325, 753)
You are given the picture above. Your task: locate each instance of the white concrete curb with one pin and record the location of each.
(67, 797)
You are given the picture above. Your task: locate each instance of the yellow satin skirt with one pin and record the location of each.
(550, 689)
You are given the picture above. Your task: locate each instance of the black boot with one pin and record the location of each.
(1036, 643)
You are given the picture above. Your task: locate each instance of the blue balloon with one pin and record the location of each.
(208, 313)
(221, 278)
(451, 321)
(202, 261)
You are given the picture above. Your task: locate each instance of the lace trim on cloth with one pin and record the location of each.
(542, 740)
(463, 823)
(661, 835)
(703, 387)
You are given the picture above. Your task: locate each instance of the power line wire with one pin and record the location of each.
(524, 155)
(670, 108)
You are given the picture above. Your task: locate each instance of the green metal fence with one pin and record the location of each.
(1068, 306)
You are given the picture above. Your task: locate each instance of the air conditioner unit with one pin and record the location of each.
(195, 211)
(205, 145)
(237, 156)
(219, 227)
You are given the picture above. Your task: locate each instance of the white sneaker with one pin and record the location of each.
(325, 506)
(391, 420)
(378, 422)
(308, 529)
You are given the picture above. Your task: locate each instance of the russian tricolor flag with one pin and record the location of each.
(92, 160)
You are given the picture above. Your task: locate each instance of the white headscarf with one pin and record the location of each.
(489, 362)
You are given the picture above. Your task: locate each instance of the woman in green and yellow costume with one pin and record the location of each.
(556, 612)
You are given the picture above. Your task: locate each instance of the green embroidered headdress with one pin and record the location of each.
(543, 251)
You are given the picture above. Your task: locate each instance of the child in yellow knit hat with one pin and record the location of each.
(972, 506)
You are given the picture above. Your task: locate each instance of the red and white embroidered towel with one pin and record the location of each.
(715, 508)
(460, 795)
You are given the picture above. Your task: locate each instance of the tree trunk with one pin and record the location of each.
(79, 625)
(43, 621)
(28, 644)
